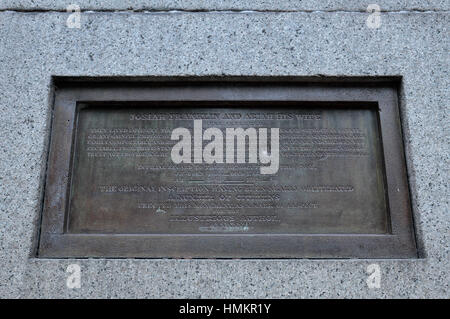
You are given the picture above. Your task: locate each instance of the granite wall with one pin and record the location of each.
(233, 38)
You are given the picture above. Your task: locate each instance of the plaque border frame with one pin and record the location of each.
(54, 242)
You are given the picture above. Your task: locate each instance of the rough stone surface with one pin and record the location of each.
(35, 46)
(272, 5)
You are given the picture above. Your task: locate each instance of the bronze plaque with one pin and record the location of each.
(126, 193)
(329, 180)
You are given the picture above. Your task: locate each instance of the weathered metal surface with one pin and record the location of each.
(330, 176)
(118, 193)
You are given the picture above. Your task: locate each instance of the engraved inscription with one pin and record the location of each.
(124, 181)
